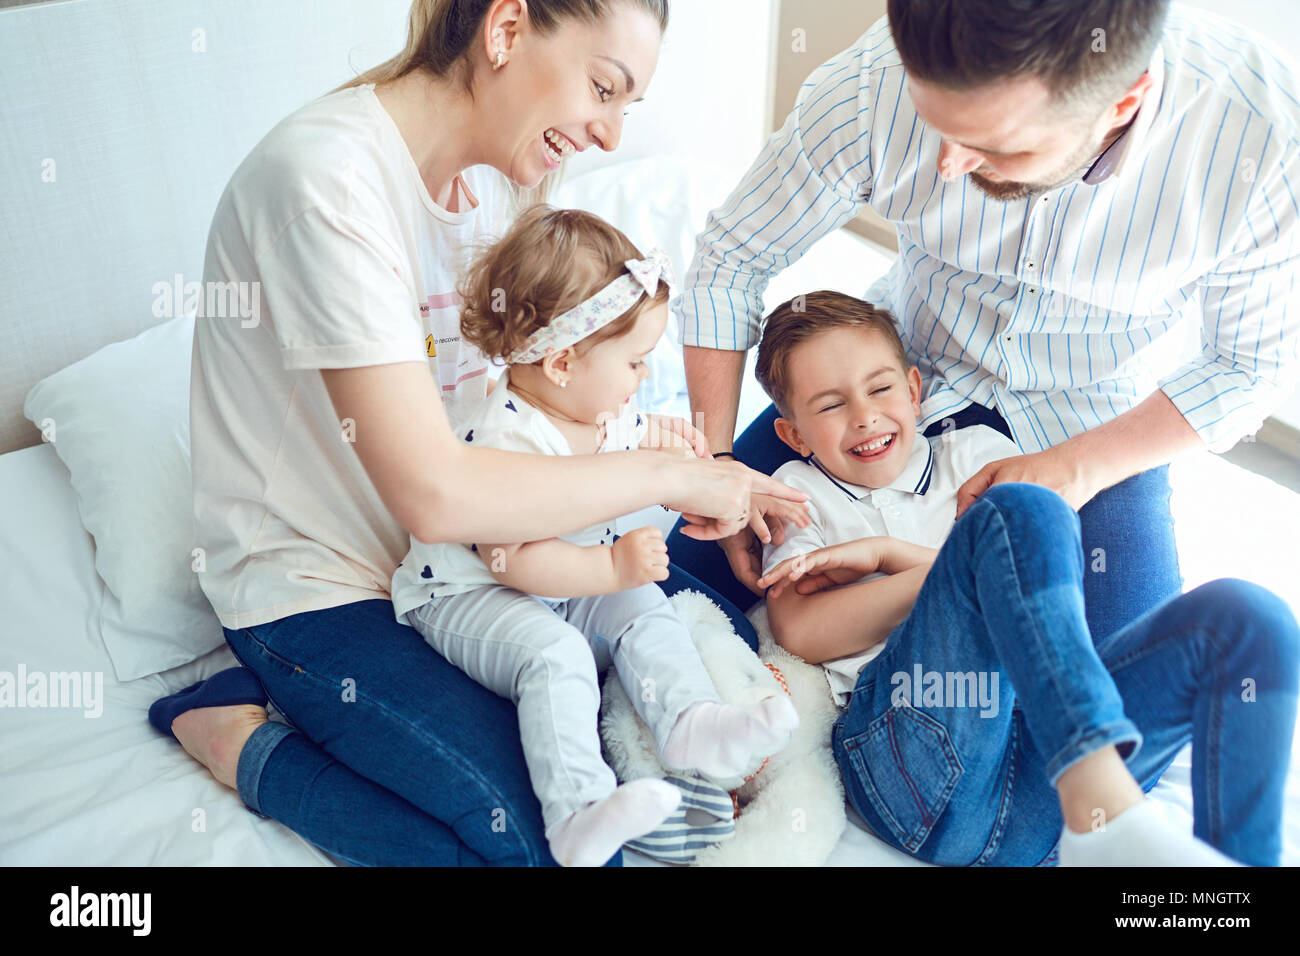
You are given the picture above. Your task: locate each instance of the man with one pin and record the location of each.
(1068, 186)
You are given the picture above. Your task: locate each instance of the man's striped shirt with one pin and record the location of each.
(1057, 309)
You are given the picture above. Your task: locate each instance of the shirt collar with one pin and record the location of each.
(914, 478)
(1115, 157)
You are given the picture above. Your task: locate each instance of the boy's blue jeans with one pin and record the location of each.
(1128, 533)
(957, 777)
(402, 759)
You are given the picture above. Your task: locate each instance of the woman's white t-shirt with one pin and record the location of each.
(341, 259)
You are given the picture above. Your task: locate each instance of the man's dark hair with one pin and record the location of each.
(1086, 52)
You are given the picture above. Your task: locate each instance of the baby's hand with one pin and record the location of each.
(640, 557)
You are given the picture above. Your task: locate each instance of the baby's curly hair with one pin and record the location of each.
(549, 261)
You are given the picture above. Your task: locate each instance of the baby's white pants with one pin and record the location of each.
(545, 655)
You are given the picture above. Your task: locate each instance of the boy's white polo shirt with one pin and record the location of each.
(503, 420)
(920, 507)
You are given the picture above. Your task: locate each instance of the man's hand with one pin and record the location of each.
(1058, 468)
(1078, 469)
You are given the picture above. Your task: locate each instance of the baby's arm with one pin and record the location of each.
(827, 624)
(552, 567)
(556, 568)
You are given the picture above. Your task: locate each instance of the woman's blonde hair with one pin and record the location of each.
(441, 33)
(548, 262)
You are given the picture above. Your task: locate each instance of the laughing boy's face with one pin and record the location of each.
(853, 404)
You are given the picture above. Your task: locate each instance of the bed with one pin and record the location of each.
(89, 782)
(80, 789)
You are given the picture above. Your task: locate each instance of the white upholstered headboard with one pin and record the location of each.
(122, 120)
(120, 123)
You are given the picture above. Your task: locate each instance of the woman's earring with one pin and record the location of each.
(564, 383)
(500, 61)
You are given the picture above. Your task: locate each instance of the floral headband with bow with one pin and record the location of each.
(642, 278)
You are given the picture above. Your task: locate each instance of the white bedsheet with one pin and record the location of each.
(79, 790)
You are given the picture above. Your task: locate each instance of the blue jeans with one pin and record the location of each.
(395, 757)
(1128, 533)
(959, 777)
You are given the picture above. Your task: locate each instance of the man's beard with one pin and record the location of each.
(1009, 190)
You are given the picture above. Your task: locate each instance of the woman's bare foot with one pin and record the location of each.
(215, 736)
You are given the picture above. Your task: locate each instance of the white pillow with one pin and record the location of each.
(120, 420)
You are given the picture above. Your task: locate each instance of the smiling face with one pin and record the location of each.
(565, 91)
(852, 404)
(606, 376)
(1012, 139)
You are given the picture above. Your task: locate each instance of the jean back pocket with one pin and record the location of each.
(908, 769)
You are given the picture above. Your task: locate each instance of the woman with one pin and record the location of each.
(320, 440)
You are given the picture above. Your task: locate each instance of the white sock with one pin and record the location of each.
(720, 740)
(1140, 836)
(593, 834)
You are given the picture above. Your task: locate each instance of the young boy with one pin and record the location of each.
(978, 715)
(850, 401)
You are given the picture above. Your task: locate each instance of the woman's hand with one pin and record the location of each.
(827, 567)
(670, 433)
(717, 497)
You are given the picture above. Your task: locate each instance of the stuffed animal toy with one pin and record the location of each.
(785, 811)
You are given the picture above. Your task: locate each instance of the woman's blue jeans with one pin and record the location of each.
(395, 757)
(1128, 533)
(955, 734)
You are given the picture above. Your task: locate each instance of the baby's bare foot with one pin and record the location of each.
(215, 736)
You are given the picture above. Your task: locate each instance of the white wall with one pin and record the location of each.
(1278, 23)
(710, 96)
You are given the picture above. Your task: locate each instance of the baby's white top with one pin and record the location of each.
(504, 420)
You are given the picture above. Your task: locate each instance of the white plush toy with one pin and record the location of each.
(791, 812)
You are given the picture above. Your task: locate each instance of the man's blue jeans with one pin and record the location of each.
(959, 777)
(1131, 555)
(398, 758)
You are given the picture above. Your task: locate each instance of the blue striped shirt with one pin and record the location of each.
(1056, 309)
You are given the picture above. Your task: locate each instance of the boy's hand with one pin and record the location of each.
(826, 567)
(640, 557)
(669, 433)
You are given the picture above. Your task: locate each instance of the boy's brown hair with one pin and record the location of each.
(796, 321)
(549, 261)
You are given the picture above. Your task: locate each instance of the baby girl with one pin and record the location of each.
(573, 309)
